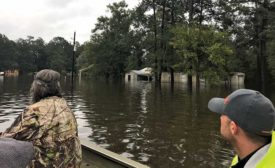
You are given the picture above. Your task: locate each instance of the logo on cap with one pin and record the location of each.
(226, 100)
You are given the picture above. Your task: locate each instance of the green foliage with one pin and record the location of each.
(27, 54)
(271, 41)
(8, 54)
(30, 55)
(59, 53)
(212, 76)
(109, 48)
(85, 54)
(204, 50)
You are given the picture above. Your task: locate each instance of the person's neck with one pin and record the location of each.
(244, 148)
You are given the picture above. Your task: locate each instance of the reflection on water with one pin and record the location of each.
(160, 127)
(1, 83)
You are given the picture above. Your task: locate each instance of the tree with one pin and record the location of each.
(270, 33)
(8, 54)
(111, 42)
(248, 23)
(26, 58)
(59, 53)
(204, 49)
(39, 52)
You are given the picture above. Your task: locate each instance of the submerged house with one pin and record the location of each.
(145, 74)
(237, 78)
(179, 77)
(11, 73)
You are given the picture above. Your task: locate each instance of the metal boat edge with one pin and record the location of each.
(123, 161)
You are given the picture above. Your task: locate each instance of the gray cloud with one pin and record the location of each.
(51, 18)
(59, 3)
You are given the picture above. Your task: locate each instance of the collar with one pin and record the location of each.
(241, 162)
(250, 159)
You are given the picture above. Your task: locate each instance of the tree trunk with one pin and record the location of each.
(155, 43)
(191, 10)
(191, 14)
(162, 42)
(201, 12)
(197, 81)
(172, 75)
(172, 49)
(261, 26)
(189, 81)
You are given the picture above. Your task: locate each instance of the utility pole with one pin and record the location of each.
(73, 59)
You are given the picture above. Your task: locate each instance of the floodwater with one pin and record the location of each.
(160, 127)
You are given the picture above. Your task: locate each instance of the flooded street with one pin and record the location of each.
(159, 127)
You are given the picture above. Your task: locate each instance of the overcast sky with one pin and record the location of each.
(51, 18)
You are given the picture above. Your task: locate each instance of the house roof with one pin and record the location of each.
(145, 71)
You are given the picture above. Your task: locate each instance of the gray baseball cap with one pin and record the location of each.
(251, 110)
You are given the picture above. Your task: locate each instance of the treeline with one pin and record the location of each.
(206, 38)
(31, 55)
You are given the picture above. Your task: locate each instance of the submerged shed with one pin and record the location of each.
(145, 74)
(237, 78)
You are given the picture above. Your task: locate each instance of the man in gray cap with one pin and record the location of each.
(247, 122)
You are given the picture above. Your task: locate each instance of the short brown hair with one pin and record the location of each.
(264, 139)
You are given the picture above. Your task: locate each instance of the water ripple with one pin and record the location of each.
(159, 126)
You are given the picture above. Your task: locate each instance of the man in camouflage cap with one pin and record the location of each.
(49, 124)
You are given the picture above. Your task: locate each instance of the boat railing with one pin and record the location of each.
(92, 147)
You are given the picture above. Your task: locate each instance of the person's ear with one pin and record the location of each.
(233, 127)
